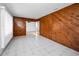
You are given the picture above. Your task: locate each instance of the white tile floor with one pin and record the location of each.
(31, 45)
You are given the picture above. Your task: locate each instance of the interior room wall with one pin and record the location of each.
(62, 26)
(6, 27)
(0, 28)
(25, 25)
(19, 26)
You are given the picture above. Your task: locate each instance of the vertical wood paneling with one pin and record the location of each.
(19, 26)
(62, 26)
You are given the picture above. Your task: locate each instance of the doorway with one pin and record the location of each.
(32, 27)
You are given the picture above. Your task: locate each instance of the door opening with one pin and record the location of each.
(32, 27)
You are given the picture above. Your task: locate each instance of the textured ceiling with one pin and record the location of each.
(33, 10)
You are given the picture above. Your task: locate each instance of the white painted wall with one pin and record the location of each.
(0, 29)
(6, 27)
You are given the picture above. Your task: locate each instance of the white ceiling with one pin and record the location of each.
(33, 10)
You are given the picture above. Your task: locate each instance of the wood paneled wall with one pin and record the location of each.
(19, 25)
(62, 26)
